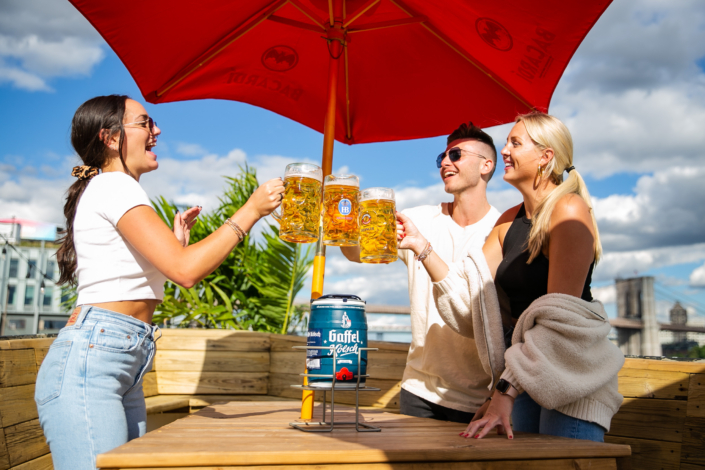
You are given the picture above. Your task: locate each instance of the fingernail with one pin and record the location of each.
(511, 437)
(177, 211)
(476, 436)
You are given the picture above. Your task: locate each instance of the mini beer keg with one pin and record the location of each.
(339, 321)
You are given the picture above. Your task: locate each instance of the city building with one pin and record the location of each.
(30, 300)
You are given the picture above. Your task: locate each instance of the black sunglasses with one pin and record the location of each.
(454, 155)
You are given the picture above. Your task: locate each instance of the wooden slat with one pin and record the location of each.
(42, 463)
(213, 361)
(557, 464)
(25, 441)
(644, 383)
(676, 366)
(17, 367)
(687, 466)
(27, 343)
(199, 401)
(162, 403)
(149, 384)
(213, 340)
(642, 418)
(284, 343)
(17, 404)
(219, 383)
(280, 386)
(4, 457)
(39, 355)
(693, 448)
(696, 396)
(650, 454)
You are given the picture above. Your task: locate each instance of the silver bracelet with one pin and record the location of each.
(424, 254)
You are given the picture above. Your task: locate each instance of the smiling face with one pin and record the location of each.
(139, 140)
(521, 156)
(467, 172)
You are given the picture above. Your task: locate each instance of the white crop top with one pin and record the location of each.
(108, 268)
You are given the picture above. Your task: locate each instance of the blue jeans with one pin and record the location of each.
(89, 388)
(529, 416)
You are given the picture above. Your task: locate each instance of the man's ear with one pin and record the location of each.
(487, 166)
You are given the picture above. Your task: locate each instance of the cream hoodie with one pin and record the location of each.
(560, 354)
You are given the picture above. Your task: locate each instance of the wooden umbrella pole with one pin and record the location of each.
(319, 261)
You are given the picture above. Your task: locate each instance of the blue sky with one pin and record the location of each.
(633, 97)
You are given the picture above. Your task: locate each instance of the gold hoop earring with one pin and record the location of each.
(540, 172)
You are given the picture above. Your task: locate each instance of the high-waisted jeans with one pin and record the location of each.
(89, 388)
(529, 416)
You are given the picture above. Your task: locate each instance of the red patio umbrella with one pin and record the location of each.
(356, 70)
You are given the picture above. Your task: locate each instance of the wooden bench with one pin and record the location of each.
(662, 418)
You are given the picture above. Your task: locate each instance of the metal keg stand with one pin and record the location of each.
(327, 426)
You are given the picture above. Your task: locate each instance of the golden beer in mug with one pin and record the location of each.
(340, 210)
(301, 206)
(378, 226)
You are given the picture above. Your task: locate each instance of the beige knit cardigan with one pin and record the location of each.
(560, 354)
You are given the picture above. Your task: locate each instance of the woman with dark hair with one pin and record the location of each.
(119, 253)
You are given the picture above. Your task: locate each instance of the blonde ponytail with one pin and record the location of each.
(549, 132)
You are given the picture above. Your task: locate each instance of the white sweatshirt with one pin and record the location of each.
(443, 367)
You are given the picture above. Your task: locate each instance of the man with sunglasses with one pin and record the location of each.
(444, 378)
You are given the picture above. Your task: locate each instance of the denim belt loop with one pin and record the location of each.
(155, 329)
(82, 316)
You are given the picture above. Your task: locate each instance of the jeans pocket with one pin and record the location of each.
(113, 337)
(51, 373)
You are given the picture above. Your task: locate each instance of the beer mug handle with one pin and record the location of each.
(277, 216)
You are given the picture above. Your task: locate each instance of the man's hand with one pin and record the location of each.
(408, 236)
(184, 222)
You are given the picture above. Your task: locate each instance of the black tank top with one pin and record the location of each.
(523, 283)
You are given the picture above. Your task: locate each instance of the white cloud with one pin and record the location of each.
(41, 40)
(605, 294)
(190, 150)
(627, 264)
(697, 277)
(665, 210)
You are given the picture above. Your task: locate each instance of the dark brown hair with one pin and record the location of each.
(91, 118)
(471, 131)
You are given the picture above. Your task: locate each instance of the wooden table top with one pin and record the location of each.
(257, 433)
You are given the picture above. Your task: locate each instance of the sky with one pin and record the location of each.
(633, 97)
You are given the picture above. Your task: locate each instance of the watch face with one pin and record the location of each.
(503, 386)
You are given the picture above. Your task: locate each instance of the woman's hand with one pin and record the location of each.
(408, 235)
(184, 222)
(496, 415)
(267, 197)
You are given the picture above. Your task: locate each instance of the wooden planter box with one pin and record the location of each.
(662, 418)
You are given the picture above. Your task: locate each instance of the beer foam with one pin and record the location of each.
(303, 174)
(377, 193)
(342, 180)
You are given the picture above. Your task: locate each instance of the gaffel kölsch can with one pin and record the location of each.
(337, 320)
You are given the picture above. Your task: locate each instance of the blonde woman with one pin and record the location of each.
(559, 376)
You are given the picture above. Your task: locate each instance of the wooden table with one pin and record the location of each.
(251, 435)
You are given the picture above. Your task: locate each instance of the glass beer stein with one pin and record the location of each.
(340, 210)
(378, 226)
(301, 206)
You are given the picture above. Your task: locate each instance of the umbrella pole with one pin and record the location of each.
(319, 261)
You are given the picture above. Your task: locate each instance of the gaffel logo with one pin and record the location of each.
(494, 34)
(280, 58)
(345, 323)
(366, 219)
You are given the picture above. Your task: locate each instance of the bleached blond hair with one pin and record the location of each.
(549, 132)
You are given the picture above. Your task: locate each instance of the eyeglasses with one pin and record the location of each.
(454, 155)
(143, 124)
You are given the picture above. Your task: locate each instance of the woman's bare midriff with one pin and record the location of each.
(140, 309)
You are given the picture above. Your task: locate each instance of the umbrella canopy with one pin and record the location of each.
(408, 68)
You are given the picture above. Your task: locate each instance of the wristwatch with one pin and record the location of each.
(505, 388)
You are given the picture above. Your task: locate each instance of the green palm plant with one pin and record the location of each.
(254, 288)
